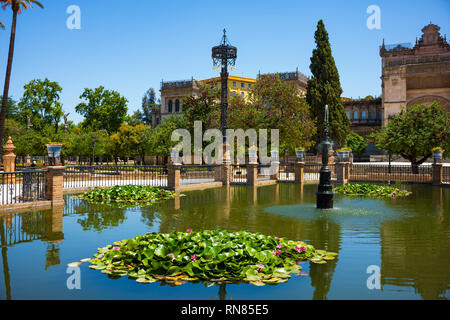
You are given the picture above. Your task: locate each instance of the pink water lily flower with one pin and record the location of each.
(296, 248)
(279, 246)
(276, 238)
(302, 248)
(189, 230)
(116, 248)
(171, 255)
(260, 266)
(100, 255)
(193, 257)
(278, 252)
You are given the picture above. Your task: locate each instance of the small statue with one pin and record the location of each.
(65, 122)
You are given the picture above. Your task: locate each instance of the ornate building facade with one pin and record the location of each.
(365, 115)
(418, 74)
(173, 92)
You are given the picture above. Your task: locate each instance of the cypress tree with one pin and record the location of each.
(325, 88)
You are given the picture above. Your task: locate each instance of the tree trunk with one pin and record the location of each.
(8, 76)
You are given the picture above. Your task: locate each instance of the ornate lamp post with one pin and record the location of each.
(325, 190)
(224, 55)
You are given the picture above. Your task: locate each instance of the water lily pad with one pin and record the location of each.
(218, 256)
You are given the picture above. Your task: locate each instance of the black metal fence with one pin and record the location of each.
(194, 174)
(264, 171)
(106, 176)
(404, 173)
(446, 174)
(23, 186)
(286, 172)
(311, 171)
(238, 173)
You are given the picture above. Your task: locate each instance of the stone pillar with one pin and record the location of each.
(437, 174)
(54, 184)
(298, 169)
(275, 165)
(252, 174)
(347, 171)
(341, 172)
(9, 162)
(225, 171)
(173, 176)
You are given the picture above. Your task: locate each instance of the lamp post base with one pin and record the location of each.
(324, 200)
(325, 192)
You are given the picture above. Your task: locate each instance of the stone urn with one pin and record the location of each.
(300, 154)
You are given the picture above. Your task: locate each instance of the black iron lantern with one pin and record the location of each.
(325, 189)
(223, 55)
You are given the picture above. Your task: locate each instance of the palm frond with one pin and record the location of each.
(2, 26)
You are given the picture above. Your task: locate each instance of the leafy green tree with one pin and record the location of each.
(280, 105)
(204, 107)
(16, 7)
(30, 143)
(160, 140)
(102, 109)
(12, 111)
(324, 88)
(356, 143)
(414, 132)
(41, 100)
(149, 106)
(132, 140)
(134, 119)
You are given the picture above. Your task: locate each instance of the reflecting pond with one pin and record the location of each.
(407, 239)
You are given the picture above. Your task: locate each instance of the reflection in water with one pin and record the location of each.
(410, 237)
(27, 227)
(416, 250)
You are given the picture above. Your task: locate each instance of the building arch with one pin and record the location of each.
(170, 106)
(428, 99)
(177, 105)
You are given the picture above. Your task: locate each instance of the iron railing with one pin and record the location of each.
(21, 187)
(383, 172)
(264, 172)
(194, 174)
(311, 171)
(286, 172)
(445, 174)
(238, 173)
(105, 176)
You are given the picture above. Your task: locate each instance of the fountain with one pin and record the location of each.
(325, 190)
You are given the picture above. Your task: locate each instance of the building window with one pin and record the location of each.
(371, 115)
(379, 115)
(348, 114)
(242, 85)
(364, 115)
(234, 84)
(177, 105)
(170, 106)
(355, 115)
(249, 86)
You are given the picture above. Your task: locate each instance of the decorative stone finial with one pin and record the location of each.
(9, 146)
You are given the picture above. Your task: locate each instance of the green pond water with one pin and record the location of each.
(406, 239)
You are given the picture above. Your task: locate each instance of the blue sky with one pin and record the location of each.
(129, 46)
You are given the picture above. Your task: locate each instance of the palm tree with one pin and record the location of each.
(16, 7)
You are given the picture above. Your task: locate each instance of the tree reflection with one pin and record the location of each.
(415, 250)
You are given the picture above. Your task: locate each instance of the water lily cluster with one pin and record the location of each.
(373, 190)
(208, 255)
(128, 194)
